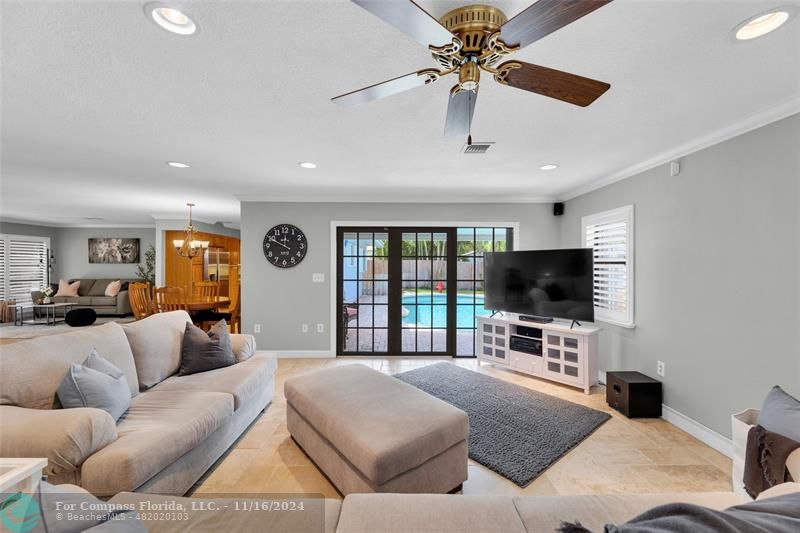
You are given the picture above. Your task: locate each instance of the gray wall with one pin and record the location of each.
(717, 273)
(13, 228)
(283, 299)
(71, 248)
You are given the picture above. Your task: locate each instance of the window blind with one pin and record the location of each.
(610, 235)
(3, 275)
(24, 266)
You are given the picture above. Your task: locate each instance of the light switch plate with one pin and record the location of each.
(318, 277)
(256, 328)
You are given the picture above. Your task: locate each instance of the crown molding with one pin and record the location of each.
(768, 116)
(75, 225)
(344, 199)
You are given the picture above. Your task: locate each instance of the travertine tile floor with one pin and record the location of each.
(622, 456)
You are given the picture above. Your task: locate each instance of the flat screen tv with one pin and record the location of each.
(541, 283)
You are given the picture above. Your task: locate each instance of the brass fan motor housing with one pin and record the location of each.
(473, 25)
(476, 27)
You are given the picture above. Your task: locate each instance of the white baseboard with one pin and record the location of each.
(697, 430)
(304, 354)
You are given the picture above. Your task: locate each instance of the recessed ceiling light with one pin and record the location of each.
(761, 25)
(171, 19)
(177, 164)
(548, 167)
(307, 164)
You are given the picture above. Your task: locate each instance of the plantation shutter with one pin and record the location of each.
(610, 236)
(3, 274)
(26, 266)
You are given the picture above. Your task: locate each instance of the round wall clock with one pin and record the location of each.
(285, 246)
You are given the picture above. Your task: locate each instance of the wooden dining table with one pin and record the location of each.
(207, 303)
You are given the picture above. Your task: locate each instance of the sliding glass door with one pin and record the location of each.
(412, 290)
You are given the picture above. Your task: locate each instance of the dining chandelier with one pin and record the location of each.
(190, 246)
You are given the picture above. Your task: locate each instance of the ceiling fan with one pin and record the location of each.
(473, 38)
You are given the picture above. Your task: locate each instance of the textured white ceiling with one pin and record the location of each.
(95, 98)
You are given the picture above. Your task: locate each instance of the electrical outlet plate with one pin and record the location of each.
(256, 328)
(660, 370)
(305, 328)
(320, 328)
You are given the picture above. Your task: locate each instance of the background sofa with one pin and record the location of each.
(92, 293)
(175, 429)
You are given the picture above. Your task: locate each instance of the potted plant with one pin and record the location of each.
(45, 294)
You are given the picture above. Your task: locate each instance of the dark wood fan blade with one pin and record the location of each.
(460, 109)
(409, 18)
(550, 82)
(543, 18)
(387, 88)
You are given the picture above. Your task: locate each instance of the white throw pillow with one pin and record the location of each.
(68, 289)
(112, 289)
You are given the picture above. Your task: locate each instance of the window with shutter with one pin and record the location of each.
(610, 235)
(24, 266)
(3, 274)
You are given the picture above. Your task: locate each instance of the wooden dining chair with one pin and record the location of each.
(141, 300)
(205, 289)
(170, 299)
(234, 313)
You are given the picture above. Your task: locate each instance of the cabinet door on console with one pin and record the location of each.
(562, 357)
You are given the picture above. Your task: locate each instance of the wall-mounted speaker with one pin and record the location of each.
(558, 208)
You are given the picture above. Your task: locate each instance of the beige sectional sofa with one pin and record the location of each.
(92, 293)
(426, 513)
(175, 429)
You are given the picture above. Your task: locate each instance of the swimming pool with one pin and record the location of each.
(430, 311)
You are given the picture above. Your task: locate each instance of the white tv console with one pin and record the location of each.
(568, 355)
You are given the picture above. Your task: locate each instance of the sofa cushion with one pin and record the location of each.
(439, 513)
(66, 437)
(159, 428)
(65, 299)
(96, 518)
(156, 345)
(103, 301)
(86, 286)
(243, 346)
(84, 300)
(546, 513)
(113, 288)
(242, 380)
(33, 369)
(95, 383)
(68, 289)
(317, 515)
(201, 351)
(383, 426)
(781, 414)
(99, 287)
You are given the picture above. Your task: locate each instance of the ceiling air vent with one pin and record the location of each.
(477, 147)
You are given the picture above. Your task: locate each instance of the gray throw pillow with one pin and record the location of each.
(781, 414)
(203, 351)
(95, 383)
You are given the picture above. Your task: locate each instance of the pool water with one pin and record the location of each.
(430, 311)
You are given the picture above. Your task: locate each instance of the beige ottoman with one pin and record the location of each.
(369, 432)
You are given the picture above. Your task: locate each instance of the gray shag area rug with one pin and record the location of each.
(516, 432)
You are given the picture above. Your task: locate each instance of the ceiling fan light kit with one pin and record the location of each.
(474, 38)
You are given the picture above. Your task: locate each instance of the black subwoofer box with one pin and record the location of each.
(633, 394)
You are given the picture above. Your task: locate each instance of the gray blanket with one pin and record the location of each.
(772, 515)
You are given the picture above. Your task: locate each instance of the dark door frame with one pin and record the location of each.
(395, 295)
